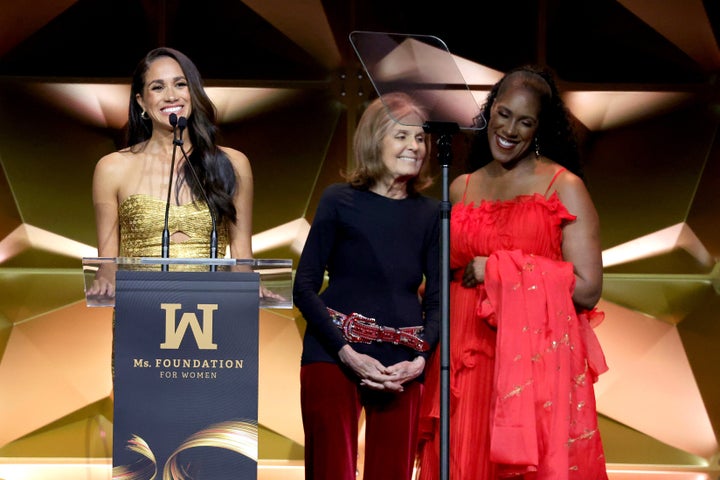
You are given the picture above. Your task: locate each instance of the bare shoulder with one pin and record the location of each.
(111, 173)
(567, 181)
(114, 164)
(239, 161)
(457, 187)
(459, 182)
(573, 193)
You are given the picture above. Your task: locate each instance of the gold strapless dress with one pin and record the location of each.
(142, 219)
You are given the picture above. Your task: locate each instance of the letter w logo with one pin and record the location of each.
(203, 334)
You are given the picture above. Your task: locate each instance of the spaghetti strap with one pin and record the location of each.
(553, 180)
(467, 182)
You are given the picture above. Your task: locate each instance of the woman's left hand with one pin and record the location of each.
(269, 294)
(400, 373)
(474, 272)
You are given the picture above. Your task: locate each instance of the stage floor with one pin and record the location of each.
(100, 469)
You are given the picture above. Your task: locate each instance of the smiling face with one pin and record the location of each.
(403, 150)
(165, 91)
(513, 124)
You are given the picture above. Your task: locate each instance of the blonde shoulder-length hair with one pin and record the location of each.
(376, 121)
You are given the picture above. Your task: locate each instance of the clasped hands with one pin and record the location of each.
(373, 374)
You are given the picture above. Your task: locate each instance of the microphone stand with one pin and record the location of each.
(182, 123)
(445, 130)
(166, 231)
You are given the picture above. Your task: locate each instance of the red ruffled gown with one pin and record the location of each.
(523, 363)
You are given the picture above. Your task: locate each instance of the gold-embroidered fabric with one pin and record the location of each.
(142, 219)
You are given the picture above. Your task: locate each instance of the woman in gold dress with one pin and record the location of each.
(130, 186)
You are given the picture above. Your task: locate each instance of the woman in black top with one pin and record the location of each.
(377, 239)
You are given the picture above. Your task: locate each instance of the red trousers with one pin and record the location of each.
(332, 401)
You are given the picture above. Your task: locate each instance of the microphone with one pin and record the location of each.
(181, 124)
(166, 231)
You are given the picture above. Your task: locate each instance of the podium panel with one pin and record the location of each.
(275, 274)
(185, 375)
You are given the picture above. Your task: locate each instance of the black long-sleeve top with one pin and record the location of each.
(376, 251)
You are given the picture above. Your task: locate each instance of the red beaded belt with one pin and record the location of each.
(358, 328)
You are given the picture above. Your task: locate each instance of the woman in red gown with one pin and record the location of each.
(526, 275)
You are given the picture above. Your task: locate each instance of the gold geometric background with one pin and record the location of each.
(640, 76)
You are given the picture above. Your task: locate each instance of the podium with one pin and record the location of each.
(185, 362)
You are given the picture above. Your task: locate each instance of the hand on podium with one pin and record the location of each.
(104, 283)
(269, 295)
(265, 293)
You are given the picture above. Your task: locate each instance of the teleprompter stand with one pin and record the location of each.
(422, 67)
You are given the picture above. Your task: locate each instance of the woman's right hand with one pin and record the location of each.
(101, 287)
(371, 372)
(474, 272)
(103, 284)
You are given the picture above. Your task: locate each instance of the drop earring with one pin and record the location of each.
(537, 148)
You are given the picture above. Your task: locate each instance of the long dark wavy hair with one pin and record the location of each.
(213, 167)
(555, 135)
